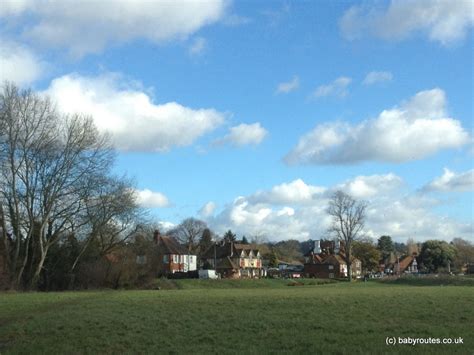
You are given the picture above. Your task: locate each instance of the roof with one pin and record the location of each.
(229, 249)
(405, 262)
(168, 245)
(226, 263)
(333, 259)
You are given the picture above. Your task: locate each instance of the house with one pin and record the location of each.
(234, 260)
(173, 257)
(408, 265)
(329, 262)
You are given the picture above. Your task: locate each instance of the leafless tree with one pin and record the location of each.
(111, 215)
(348, 216)
(49, 163)
(188, 232)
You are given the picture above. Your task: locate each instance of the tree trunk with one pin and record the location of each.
(349, 271)
(34, 280)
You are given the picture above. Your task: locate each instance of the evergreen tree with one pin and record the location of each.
(229, 236)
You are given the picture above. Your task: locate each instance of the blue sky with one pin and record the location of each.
(249, 115)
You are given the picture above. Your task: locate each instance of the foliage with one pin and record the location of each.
(430, 280)
(436, 254)
(367, 253)
(273, 259)
(386, 247)
(464, 253)
(53, 169)
(229, 236)
(288, 250)
(205, 242)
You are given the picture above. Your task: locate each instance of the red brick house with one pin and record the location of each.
(329, 263)
(173, 257)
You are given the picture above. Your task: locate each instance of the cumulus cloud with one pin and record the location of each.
(416, 129)
(443, 21)
(286, 87)
(93, 25)
(207, 210)
(135, 122)
(451, 181)
(375, 77)
(363, 187)
(294, 192)
(336, 88)
(279, 215)
(244, 134)
(19, 64)
(150, 199)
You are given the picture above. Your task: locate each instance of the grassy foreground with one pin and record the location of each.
(263, 317)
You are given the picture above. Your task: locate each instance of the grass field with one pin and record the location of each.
(261, 316)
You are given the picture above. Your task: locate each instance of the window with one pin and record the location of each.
(331, 267)
(165, 259)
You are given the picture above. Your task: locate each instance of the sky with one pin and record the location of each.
(249, 115)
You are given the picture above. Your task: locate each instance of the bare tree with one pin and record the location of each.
(112, 215)
(348, 217)
(188, 232)
(48, 164)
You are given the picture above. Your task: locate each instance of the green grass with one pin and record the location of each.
(264, 317)
(428, 280)
(190, 284)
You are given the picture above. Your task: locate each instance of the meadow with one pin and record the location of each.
(248, 316)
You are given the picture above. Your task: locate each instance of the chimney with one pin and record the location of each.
(337, 247)
(156, 236)
(317, 247)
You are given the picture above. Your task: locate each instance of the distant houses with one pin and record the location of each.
(235, 260)
(325, 260)
(173, 257)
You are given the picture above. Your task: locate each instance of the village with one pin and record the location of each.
(234, 259)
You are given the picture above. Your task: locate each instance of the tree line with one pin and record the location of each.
(67, 221)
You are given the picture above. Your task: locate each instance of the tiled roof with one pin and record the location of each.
(226, 263)
(405, 262)
(168, 245)
(228, 249)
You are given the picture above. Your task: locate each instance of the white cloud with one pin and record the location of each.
(244, 134)
(150, 199)
(336, 88)
(91, 26)
(418, 128)
(14, 7)
(129, 114)
(364, 187)
(390, 212)
(165, 226)
(198, 46)
(207, 210)
(451, 181)
(444, 21)
(375, 77)
(286, 87)
(295, 192)
(18, 64)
